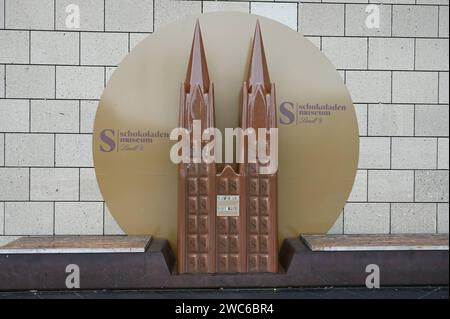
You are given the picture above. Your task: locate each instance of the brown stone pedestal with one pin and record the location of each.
(154, 267)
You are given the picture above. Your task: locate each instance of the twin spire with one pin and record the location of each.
(258, 72)
(197, 73)
(240, 196)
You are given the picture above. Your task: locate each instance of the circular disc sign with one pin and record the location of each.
(318, 131)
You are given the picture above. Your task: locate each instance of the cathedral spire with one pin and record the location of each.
(197, 73)
(258, 72)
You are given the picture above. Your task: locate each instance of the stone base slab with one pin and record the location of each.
(155, 268)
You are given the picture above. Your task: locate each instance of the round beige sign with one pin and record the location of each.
(318, 131)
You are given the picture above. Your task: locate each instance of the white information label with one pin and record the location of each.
(227, 205)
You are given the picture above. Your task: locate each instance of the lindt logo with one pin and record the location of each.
(128, 140)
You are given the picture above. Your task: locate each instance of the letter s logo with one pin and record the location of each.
(108, 140)
(287, 109)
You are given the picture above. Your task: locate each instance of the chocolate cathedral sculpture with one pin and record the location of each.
(227, 221)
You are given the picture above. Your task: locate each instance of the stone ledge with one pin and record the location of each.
(77, 245)
(154, 269)
(398, 242)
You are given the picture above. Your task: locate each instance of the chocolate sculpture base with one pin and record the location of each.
(155, 268)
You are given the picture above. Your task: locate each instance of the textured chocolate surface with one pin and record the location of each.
(196, 184)
(227, 220)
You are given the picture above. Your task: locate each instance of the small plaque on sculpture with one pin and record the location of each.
(227, 205)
